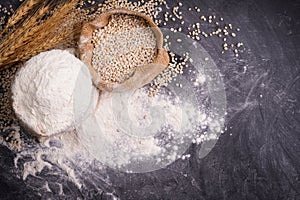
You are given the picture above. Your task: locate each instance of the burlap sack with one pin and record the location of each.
(143, 74)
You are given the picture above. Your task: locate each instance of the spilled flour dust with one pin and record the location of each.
(131, 132)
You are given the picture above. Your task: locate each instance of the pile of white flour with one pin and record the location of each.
(52, 92)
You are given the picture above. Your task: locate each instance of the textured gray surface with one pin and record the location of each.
(258, 157)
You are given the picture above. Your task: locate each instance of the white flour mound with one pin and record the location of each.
(52, 92)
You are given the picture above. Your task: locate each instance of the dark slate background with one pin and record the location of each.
(258, 157)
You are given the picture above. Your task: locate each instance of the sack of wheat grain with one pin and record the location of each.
(123, 50)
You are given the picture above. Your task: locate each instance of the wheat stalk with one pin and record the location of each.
(21, 12)
(36, 34)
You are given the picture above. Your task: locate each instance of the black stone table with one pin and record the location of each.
(258, 156)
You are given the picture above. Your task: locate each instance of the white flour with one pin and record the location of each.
(137, 133)
(51, 92)
(129, 131)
